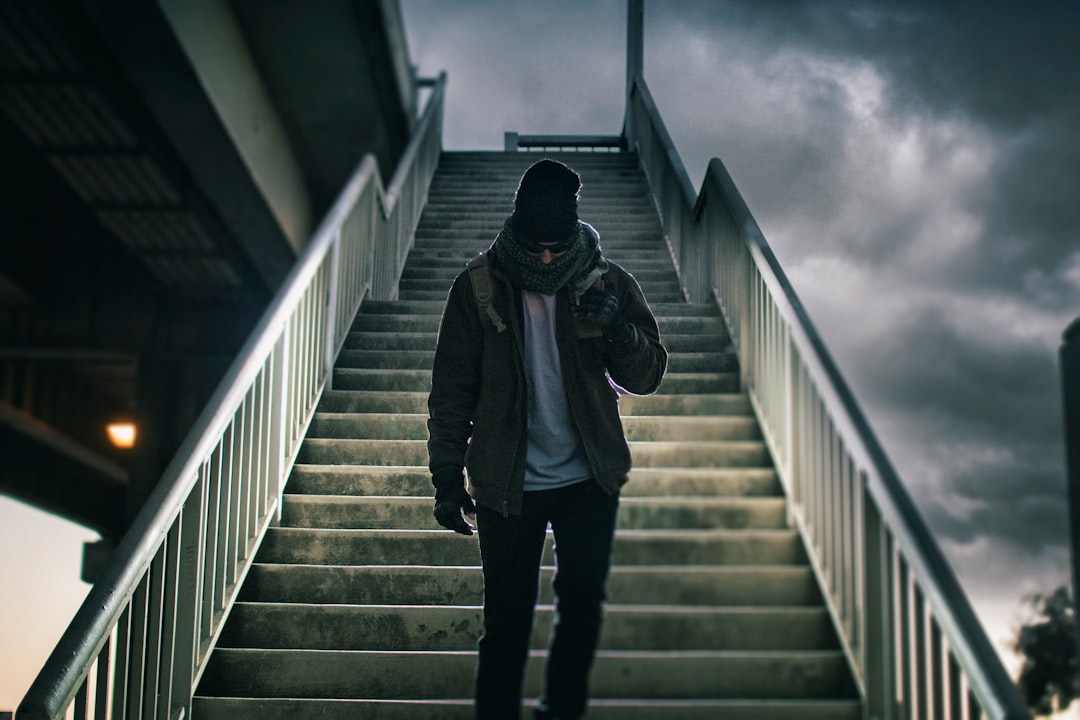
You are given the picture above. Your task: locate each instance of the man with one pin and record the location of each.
(524, 401)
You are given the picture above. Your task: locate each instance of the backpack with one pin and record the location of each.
(480, 275)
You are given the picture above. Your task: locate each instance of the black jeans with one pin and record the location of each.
(582, 519)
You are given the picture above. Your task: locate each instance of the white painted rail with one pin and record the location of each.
(139, 643)
(912, 641)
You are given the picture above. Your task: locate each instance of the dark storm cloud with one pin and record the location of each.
(1025, 512)
(1007, 68)
(983, 410)
(984, 386)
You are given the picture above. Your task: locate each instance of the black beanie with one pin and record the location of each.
(545, 205)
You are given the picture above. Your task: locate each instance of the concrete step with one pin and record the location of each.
(406, 628)
(687, 343)
(450, 210)
(363, 401)
(445, 273)
(667, 292)
(442, 674)
(670, 513)
(396, 323)
(702, 362)
(382, 379)
(386, 358)
(391, 340)
(708, 585)
(663, 291)
(218, 708)
(425, 340)
(390, 480)
(405, 426)
(437, 546)
(470, 241)
(679, 383)
(686, 404)
(646, 454)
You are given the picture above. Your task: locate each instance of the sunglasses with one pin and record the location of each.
(536, 248)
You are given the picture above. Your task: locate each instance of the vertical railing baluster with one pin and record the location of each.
(256, 480)
(101, 680)
(920, 652)
(955, 685)
(281, 446)
(854, 555)
(938, 680)
(154, 619)
(81, 702)
(191, 547)
(170, 593)
(249, 486)
(332, 300)
(235, 495)
(903, 640)
(218, 549)
(137, 649)
(122, 665)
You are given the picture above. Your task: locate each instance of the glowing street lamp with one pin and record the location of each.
(121, 434)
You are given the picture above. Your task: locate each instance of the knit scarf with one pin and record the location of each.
(579, 266)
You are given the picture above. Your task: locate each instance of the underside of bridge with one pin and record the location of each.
(163, 163)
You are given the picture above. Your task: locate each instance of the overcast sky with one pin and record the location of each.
(916, 168)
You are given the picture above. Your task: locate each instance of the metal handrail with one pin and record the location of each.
(911, 638)
(139, 644)
(513, 142)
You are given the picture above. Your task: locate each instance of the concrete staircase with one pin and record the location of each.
(360, 606)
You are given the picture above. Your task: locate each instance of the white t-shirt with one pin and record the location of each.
(555, 458)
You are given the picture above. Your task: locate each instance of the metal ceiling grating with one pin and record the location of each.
(117, 180)
(64, 115)
(29, 42)
(158, 231)
(186, 273)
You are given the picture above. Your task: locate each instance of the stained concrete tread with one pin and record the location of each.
(360, 606)
(462, 709)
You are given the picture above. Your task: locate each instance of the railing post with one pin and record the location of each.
(332, 310)
(878, 670)
(280, 422)
(1070, 388)
(635, 56)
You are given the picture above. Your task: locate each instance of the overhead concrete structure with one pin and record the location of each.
(164, 164)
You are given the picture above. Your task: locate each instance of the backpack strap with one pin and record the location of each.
(480, 275)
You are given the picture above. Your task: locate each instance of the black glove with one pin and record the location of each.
(450, 503)
(601, 308)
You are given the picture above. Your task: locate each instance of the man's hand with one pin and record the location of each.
(450, 503)
(602, 309)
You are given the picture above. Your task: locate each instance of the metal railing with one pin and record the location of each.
(911, 638)
(138, 645)
(513, 142)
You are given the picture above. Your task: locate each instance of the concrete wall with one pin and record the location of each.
(211, 37)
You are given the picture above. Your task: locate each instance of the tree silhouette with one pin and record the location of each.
(1048, 677)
